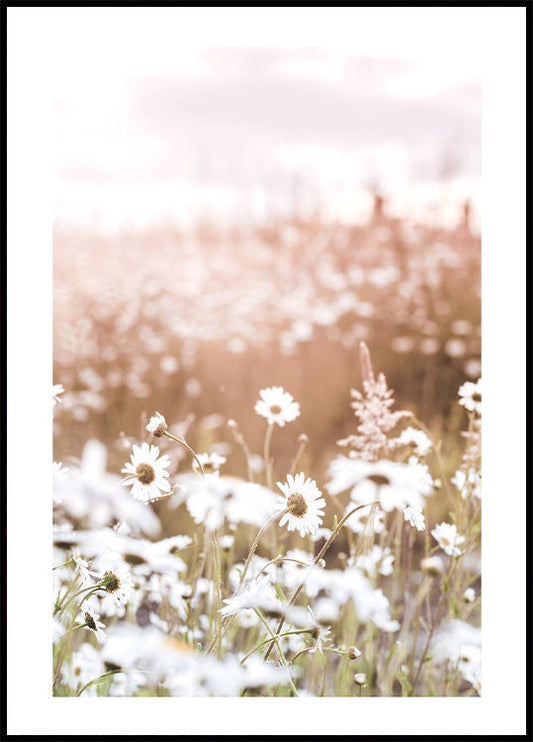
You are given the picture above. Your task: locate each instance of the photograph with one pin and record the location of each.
(267, 377)
(271, 294)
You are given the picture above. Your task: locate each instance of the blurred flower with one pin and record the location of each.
(446, 536)
(85, 665)
(455, 348)
(470, 396)
(402, 344)
(420, 442)
(303, 502)
(359, 678)
(376, 561)
(146, 474)
(393, 484)
(277, 406)
(429, 346)
(469, 481)
(433, 565)
(169, 364)
(81, 568)
(414, 517)
(469, 595)
(211, 462)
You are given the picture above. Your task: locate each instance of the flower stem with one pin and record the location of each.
(266, 455)
(318, 557)
(184, 443)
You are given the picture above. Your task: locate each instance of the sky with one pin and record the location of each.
(170, 114)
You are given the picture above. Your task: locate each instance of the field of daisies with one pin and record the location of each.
(267, 476)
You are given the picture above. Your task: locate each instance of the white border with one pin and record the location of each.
(31, 709)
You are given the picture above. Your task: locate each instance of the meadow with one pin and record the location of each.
(268, 468)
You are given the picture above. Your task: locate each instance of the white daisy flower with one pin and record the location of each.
(470, 396)
(91, 620)
(81, 568)
(146, 474)
(157, 425)
(448, 539)
(303, 502)
(433, 565)
(420, 442)
(469, 595)
(118, 583)
(277, 406)
(211, 462)
(394, 485)
(415, 518)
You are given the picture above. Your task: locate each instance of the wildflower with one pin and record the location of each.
(470, 396)
(354, 653)
(372, 408)
(211, 463)
(226, 542)
(116, 580)
(57, 389)
(420, 442)
(394, 485)
(302, 502)
(467, 481)
(433, 565)
(377, 560)
(157, 425)
(146, 473)
(469, 595)
(359, 678)
(448, 539)
(258, 594)
(414, 517)
(85, 665)
(81, 568)
(277, 406)
(91, 620)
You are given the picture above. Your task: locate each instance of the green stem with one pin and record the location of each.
(318, 557)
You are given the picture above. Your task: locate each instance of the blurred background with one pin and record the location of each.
(239, 206)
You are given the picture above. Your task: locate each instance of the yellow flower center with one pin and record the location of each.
(145, 473)
(297, 505)
(275, 409)
(379, 479)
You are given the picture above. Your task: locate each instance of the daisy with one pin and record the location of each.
(277, 406)
(116, 580)
(448, 539)
(469, 595)
(303, 503)
(414, 517)
(433, 565)
(470, 396)
(81, 568)
(211, 463)
(91, 620)
(146, 474)
(419, 441)
(157, 425)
